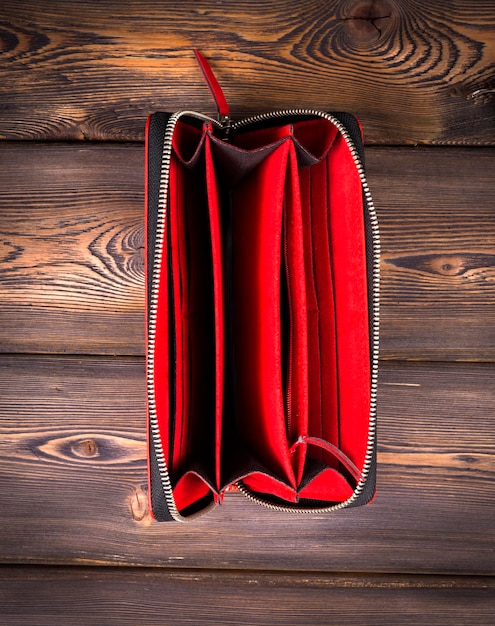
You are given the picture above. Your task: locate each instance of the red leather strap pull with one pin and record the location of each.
(333, 450)
(213, 84)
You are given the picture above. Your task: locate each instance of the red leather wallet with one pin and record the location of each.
(262, 311)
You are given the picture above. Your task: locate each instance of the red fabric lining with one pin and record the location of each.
(315, 400)
(315, 137)
(321, 209)
(260, 138)
(190, 488)
(257, 227)
(196, 264)
(323, 383)
(176, 213)
(297, 376)
(161, 364)
(187, 142)
(215, 227)
(346, 231)
(258, 482)
(202, 354)
(328, 486)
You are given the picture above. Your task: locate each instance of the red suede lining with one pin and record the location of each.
(346, 229)
(255, 139)
(190, 488)
(328, 485)
(324, 409)
(180, 306)
(258, 482)
(297, 376)
(195, 235)
(315, 137)
(216, 243)
(257, 227)
(187, 142)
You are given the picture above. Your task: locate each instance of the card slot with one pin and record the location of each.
(176, 208)
(326, 486)
(315, 400)
(242, 464)
(332, 247)
(322, 340)
(349, 278)
(193, 317)
(313, 139)
(257, 209)
(215, 228)
(193, 489)
(234, 163)
(329, 345)
(293, 266)
(187, 142)
(260, 138)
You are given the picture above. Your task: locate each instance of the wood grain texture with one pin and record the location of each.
(437, 220)
(73, 479)
(73, 482)
(71, 250)
(415, 72)
(109, 596)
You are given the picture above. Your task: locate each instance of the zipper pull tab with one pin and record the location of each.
(216, 91)
(225, 122)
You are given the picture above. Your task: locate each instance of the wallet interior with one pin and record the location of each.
(262, 350)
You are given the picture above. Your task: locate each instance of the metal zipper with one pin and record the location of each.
(157, 267)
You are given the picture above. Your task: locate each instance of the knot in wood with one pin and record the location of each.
(86, 448)
(139, 505)
(448, 265)
(365, 22)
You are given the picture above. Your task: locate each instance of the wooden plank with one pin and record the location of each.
(71, 250)
(71, 262)
(438, 256)
(416, 72)
(120, 596)
(73, 479)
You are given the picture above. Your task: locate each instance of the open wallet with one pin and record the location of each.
(262, 311)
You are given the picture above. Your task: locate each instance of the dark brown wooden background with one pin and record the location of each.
(77, 81)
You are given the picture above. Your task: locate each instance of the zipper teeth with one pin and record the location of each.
(157, 266)
(375, 306)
